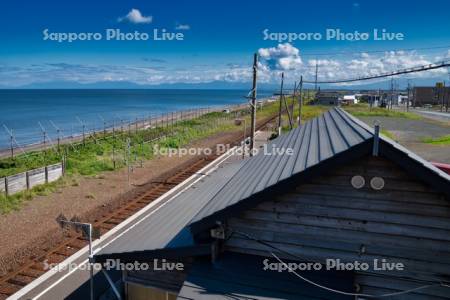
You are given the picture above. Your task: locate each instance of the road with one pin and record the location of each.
(70, 279)
(436, 115)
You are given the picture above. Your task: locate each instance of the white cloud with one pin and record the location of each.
(136, 17)
(283, 57)
(182, 27)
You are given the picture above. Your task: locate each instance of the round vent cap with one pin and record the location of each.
(358, 182)
(377, 183)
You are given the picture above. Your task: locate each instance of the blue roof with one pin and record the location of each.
(241, 276)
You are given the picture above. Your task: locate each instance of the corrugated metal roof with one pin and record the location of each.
(315, 142)
(240, 276)
(319, 139)
(161, 228)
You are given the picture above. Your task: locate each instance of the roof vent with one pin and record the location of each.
(377, 183)
(358, 181)
(376, 138)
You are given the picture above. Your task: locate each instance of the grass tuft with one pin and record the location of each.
(363, 110)
(443, 140)
(388, 134)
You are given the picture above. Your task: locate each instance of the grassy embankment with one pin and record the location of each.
(363, 110)
(308, 111)
(108, 152)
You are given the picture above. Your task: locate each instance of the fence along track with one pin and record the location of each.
(34, 266)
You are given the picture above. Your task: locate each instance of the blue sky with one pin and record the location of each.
(219, 39)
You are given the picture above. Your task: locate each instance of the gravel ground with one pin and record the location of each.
(32, 229)
(410, 134)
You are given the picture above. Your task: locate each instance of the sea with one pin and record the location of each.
(27, 114)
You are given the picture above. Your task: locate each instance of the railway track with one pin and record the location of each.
(35, 266)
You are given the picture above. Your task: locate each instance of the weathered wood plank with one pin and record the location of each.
(350, 224)
(390, 183)
(350, 245)
(369, 204)
(359, 214)
(306, 253)
(404, 196)
(370, 238)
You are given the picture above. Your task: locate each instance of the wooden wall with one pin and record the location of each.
(327, 217)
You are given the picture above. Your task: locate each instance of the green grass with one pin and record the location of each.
(363, 110)
(308, 112)
(388, 134)
(14, 202)
(109, 152)
(443, 140)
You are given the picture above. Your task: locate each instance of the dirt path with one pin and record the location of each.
(32, 229)
(410, 133)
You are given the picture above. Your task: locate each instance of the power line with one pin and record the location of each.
(373, 51)
(266, 244)
(442, 64)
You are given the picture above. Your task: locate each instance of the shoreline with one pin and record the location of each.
(164, 119)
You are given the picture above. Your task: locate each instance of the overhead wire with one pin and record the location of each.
(264, 243)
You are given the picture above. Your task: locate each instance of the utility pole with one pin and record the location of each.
(253, 105)
(11, 139)
(128, 154)
(281, 101)
(288, 113)
(84, 129)
(44, 134)
(317, 71)
(392, 94)
(12, 144)
(300, 104)
(294, 95)
(409, 92)
(448, 93)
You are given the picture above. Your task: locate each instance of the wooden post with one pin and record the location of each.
(281, 102)
(253, 105)
(300, 104)
(63, 164)
(84, 134)
(114, 152)
(27, 180)
(59, 139)
(46, 174)
(12, 144)
(407, 101)
(288, 113)
(294, 95)
(6, 187)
